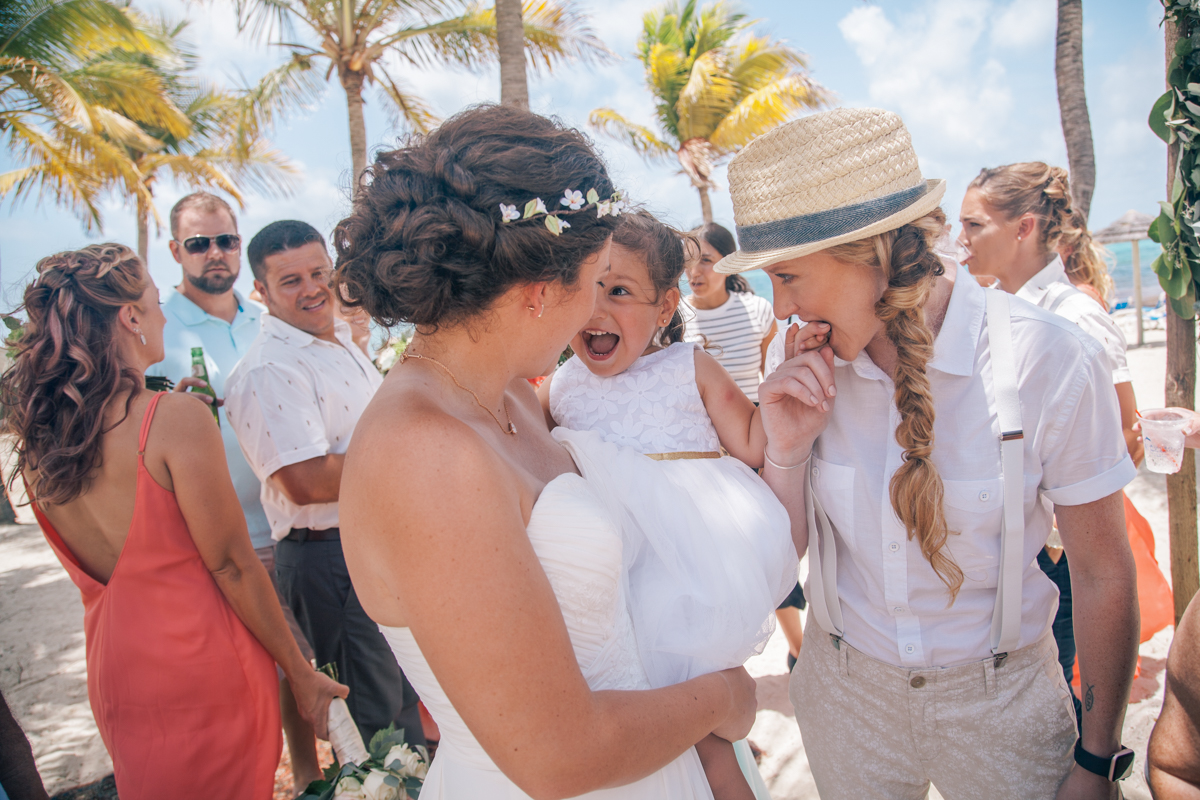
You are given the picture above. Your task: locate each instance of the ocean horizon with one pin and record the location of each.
(1120, 267)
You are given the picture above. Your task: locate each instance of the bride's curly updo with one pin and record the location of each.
(426, 243)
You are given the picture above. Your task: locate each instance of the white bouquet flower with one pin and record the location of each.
(378, 787)
(390, 770)
(349, 788)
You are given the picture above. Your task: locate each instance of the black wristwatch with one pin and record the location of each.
(1115, 767)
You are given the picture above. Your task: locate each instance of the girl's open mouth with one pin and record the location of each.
(600, 345)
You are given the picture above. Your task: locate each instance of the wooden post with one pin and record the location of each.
(1137, 292)
(1181, 391)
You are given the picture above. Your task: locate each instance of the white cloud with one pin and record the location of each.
(927, 67)
(1025, 23)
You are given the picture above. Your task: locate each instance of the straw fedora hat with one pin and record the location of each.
(829, 178)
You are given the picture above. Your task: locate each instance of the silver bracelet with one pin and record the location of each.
(778, 466)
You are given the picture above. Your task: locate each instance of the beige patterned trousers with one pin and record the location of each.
(872, 730)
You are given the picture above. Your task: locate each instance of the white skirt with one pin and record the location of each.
(708, 551)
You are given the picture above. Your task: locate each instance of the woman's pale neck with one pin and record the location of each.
(880, 349)
(709, 303)
(479, 360)
(1024, 267)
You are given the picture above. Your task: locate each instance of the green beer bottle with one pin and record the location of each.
(199, 370)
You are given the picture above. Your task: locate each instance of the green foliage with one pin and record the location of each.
(395, 774)
(716, 86)
(16, 329)
(1175, 118)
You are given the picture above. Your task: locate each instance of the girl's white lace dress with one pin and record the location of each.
(708, 547)
(577, 542)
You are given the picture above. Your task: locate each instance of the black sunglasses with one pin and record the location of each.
(199, 244)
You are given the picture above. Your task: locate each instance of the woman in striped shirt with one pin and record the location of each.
(735, 326)
(724, 314)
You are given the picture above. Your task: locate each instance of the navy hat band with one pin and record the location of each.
(779, 234)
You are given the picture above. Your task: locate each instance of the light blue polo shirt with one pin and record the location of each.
(224, 344)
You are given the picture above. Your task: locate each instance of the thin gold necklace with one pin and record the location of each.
(511, 430)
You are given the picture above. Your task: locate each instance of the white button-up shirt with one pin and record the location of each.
(1052, 290)
(894, 606)
(293, 398)
(224, 344)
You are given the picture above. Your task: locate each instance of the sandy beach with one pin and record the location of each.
(43, 675)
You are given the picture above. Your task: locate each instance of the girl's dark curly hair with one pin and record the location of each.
(67, 368)
(426, 243)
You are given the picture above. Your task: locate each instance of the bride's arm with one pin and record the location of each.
(434, 534)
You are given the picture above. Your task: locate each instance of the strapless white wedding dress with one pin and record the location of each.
(579, 547)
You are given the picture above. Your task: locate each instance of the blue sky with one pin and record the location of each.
(973, 80)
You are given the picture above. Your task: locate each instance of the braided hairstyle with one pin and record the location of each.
(426, 243)
(1031, 187)
(911, 267)
(720, 239)
(664, 250)
(1086, 261)
(68, 367)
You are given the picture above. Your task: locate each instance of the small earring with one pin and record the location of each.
(539, 313)
(141, 335)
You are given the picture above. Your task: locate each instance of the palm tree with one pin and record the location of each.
(223, 147)
(510, 44)
(1072, 104)
(52, 109)
(356, 36)
(716, 86)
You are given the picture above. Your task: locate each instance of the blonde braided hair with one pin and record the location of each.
(911, 268)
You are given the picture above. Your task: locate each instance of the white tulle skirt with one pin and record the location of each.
(708, 552)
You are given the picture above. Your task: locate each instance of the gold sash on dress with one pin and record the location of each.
(683, 455)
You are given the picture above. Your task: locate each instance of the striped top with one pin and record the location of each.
(734, 332)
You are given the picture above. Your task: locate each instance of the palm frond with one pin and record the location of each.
(763, 109)
(407, 109)
(555, 31)
(639, 137)
(53, 32)
(707, 97)
(293, 85)
(55, 168)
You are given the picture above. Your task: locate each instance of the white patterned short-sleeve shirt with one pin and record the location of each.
(292, 398)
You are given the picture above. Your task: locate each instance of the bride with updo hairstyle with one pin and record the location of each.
(492, 567)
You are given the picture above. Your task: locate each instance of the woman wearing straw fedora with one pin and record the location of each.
(921, 452)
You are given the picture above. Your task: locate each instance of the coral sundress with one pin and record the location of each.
(185, 697)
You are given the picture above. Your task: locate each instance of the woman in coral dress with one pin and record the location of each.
(182, 625)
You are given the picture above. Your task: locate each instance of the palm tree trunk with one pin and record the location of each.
(352, 82)
(510, 39)
(1072, 104)
(143, 228)
(705, 204)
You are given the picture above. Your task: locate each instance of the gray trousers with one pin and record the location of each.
(316, 584)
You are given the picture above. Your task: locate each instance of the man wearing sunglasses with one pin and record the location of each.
(204, 310)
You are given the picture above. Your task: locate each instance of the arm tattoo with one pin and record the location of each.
(1089, 698)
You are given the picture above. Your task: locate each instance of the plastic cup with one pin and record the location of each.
(1162, 433)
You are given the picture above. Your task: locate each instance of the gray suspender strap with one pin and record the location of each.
(1006, 616)
(822, 563)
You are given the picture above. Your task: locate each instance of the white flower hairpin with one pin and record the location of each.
(571, 201)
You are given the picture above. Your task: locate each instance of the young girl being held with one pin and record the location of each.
(646, 415)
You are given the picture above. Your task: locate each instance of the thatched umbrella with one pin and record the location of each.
(1131, 227)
